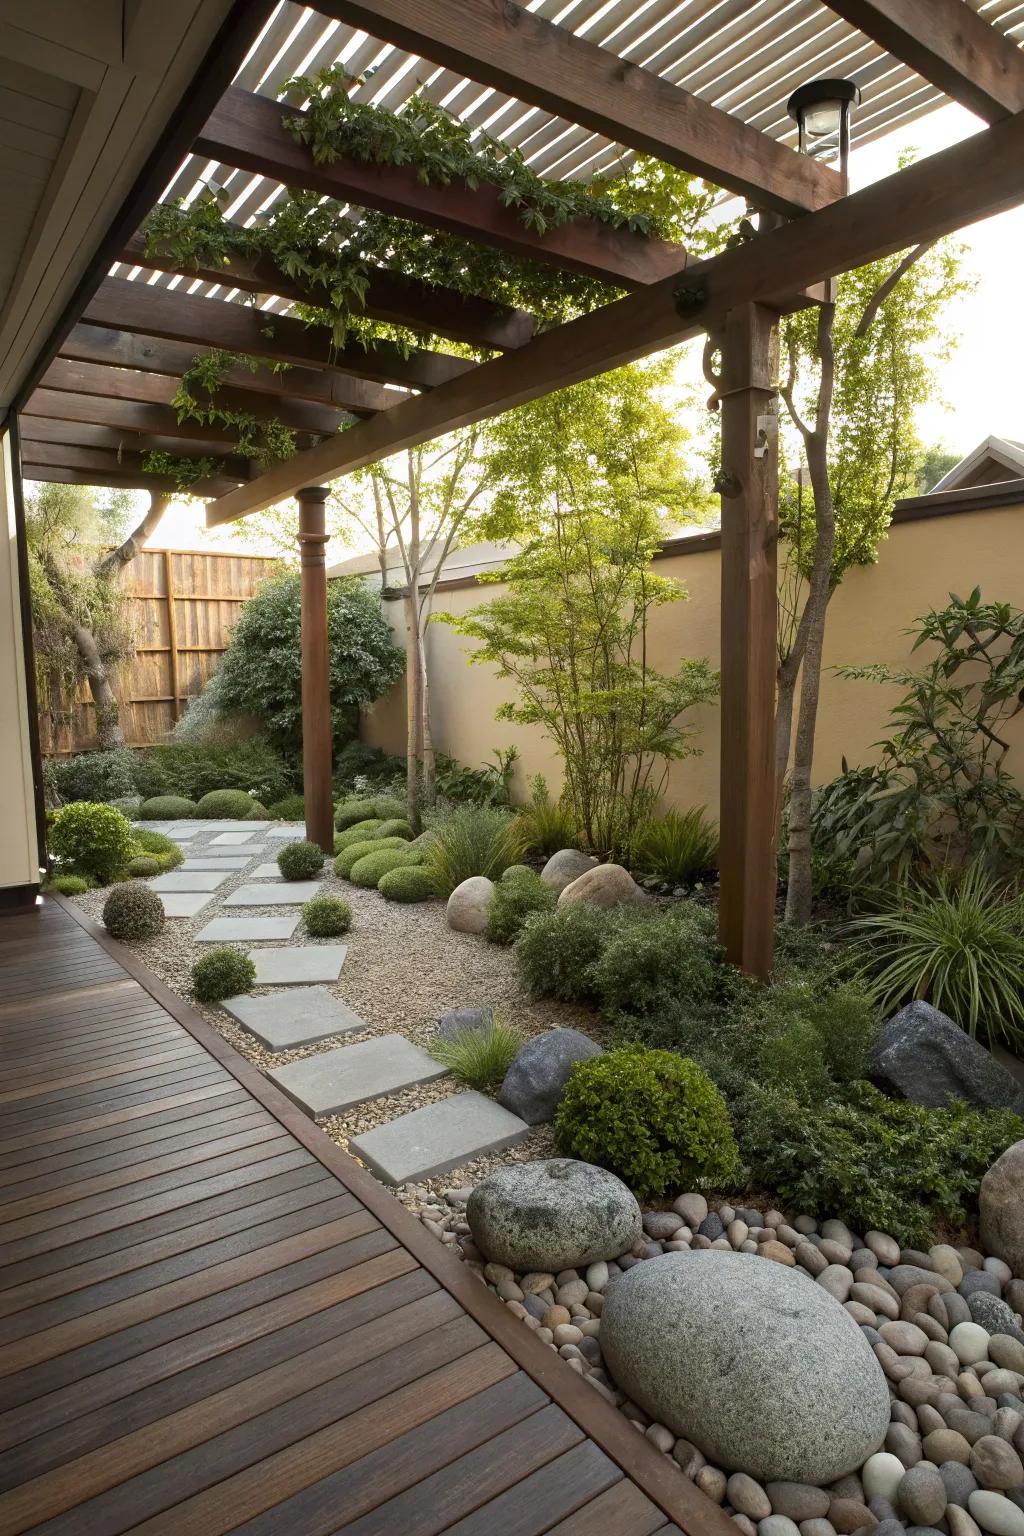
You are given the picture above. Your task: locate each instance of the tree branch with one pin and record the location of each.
(884, 289)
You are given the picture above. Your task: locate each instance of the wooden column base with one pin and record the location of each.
(317, 742)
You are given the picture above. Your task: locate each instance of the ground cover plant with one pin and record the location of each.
(158, 846)
(368, 870)
(219, 759)
(408, 883)
(351, 855)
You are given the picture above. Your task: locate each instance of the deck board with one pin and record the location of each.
(212, 1320)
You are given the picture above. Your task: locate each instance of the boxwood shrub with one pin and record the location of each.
(163, 848)
(166, 808)
(225, 805)
(369, 869)
(222, 972)
(327, 916)
(143, 865)
(91, 839)
(396, 827)
(133, 912)
(359, 832)
(408, 883)
(301, 860)
(291, 808)
(69, 885)
(351, 855)
(349, 812)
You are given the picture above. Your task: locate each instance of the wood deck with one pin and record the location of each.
(213, 1320)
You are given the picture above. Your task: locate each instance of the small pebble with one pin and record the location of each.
(711, 1481)
(969, 1342)
(996, 1464)
(922, 1495)
(747, 1496)
(996, 1514)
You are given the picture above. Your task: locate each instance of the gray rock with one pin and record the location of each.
(1001, 1205)
(469, 903)
(460, 1021)
(798, 1501)
(552, 1215)
(922, 1495)
(994, 1315)
(923, 1056)
(564, 867)
(534, 1082)
(745, 1359)
(960, 1482)
(606, 885)
(979, 1280)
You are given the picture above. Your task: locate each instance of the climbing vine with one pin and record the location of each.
(266, 440)
(185, 473)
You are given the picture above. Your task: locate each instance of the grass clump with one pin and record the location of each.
(360, 832)
(91, 839)
(408, 883)
(653, 1118)
(679, 846)
(69, 885)
(222, 972)
(166, 808)
(473, 840)
(547, 825)
(301, 860)
(479, 1058)
(513, 901)
(133, 912)
(368, 870)
(291, 808)
(326, 917)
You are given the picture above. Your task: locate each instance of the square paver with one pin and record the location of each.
(232, 839)
(335, 1080)
(223, 930)
(303, 963)
(190, 880)
(266, 872)
(292, 831)
(289, 893)
(185, 903)
(438, 1137)
(302, 1016)
(210, 861)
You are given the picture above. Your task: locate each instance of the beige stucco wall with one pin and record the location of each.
(19, 858)
(919, 564)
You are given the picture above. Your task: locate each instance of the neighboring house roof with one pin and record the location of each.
(994, 460)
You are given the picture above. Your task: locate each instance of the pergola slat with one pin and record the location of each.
(948, 43)
(127, 415)
(543, 64)
(390, 296)
(156, 355)
(83, 434)
(154, 311)
(246, 131)
(946, 191)
(102, 461)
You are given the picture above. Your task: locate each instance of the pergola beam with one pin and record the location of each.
(124, 415)
(124, 350)
(944, 192)
(949, 44)
(83, 434)
(539, 62)
(101, 463)
(390, 296)
(152, 311)
(246, 131)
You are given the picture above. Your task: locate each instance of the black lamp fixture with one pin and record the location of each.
(822, 110)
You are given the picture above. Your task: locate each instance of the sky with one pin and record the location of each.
(979, 389)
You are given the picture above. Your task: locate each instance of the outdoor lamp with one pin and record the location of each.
(822, 110)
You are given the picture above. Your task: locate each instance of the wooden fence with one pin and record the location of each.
(182, 606)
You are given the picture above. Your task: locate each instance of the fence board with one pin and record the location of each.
(183, 604)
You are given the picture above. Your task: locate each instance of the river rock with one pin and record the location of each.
(923, 1056)
(996, 1464)
(554, 1214)
(994, 1315)
(606, 885)
(995, 1513)
(462, 1021)
(765, 1373)
(564, 867)
(534, 1082)
(922, 1495)
(468, 905)
(1001, 1206)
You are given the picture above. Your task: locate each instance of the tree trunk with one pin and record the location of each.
(414, 712)
(115, 559)
(108, 728)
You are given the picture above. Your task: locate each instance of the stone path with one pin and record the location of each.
(303, 1012)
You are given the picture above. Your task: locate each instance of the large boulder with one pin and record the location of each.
(534, 1082)
(564, 867)
(760, 1368)
(606, 885)
(468, 905)
(463, 1021)
(923, 1056)
(1001, 1208)
(553, 1215)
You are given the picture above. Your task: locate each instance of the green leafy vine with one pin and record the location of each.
(185, 473)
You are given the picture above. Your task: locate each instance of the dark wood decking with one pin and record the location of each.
(212, 1320)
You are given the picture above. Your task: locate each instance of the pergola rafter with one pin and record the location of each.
(567, 101)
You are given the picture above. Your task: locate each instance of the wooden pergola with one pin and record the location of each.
(104, 399)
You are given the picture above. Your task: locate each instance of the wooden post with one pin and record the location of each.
(172, 635)
(749, 491)
(316, 671)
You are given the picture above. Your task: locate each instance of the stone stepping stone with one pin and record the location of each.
(290, 967)
(190, 880)
(283, 1021)
(290, 893)
(438, 1137)
(336, 1080)
(185, 903)
(293, 831)
(224, 824)
(266, 872)
(222, 930)
(232, 839)
(211, 861)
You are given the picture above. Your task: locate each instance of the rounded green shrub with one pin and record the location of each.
(360, 832)
(368, 870)
(258, 812)
(166, 852)
(351, 811)
(300, 861)
(512, 903)
(655, 966)
(390, 808)
(556, 951)
(351, 855)
(91, 839)
(166, 808)
(291, 808)
(408, 883)
(519, 872)
(327, 916)
(68, 885)
(396, 827)
(653, 1118)
(222, 972)
(143, 865)
(133, 912)
(225, 805)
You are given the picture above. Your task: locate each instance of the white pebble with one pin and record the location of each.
(994, 1513)
(969, 1342)
(597, 1276)
(1002, 1272)
(881, 1475)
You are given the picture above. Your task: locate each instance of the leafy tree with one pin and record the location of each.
(855, 370)
(585, 482)
(935, 462)
(261, 671)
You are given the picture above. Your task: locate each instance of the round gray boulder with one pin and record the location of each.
(552, 1215)
(468, 905)
(534, 1082)
(564, 867)
(1001, 1207)
(760, 1368)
